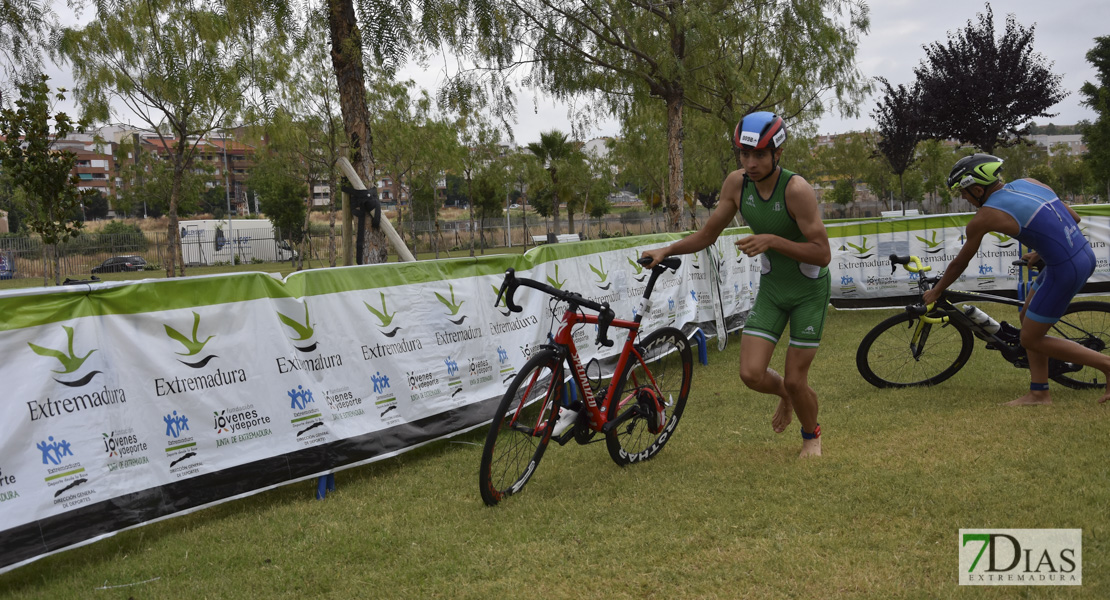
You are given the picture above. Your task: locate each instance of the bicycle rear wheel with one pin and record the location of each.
(664, 383)
(897, 354)
(1088, 324)
(521, 427)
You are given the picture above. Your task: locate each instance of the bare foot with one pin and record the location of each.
(810, 448)
(783, 415)
(1104, 397)
(1037, 398)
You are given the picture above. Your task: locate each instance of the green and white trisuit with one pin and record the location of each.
(789, 290)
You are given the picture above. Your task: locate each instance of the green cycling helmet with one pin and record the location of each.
(977, 169)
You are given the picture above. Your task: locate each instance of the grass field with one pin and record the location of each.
(725, 511)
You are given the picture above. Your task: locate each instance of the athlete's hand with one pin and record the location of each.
(754, 245)
(931, 296)
(1031, 259)
(656, 256)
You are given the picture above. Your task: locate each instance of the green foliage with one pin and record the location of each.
(843, 192)
(283, 195)
(897, 118)
(29, 159)
(1096, 96)
(983, 91)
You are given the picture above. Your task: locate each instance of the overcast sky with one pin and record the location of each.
(1065, 31)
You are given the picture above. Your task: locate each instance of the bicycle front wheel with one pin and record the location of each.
(903, 351)
(1088, 324)
(651, 397)
(521, 427)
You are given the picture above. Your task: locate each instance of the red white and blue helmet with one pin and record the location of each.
(760, 130)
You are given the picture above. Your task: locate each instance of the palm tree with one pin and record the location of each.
(551, 150)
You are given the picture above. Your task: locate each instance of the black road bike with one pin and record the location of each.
(926, 345)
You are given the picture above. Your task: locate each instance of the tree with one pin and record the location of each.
(26, 29)
(173, 63)
(897, 120)
(847, 161)
(934, 162)
(553, 151)
(982, 91)
(283, 192)
(43, 173)
(147, 184)
(722, 57)
(1096, 96)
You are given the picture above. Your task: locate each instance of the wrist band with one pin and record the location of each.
(812, 436)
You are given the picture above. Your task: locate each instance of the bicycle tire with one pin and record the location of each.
(670, 369)
(886, 360)
(521, 427)
(1086, 323)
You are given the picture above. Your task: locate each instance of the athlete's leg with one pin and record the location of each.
(804, 399)
(755, 372)
(1059, 284)
(1038, 366)
(1035, 339)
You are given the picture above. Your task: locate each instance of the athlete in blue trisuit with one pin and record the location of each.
(1029, 211)
(794, 287)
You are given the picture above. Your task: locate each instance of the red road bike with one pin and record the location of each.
(636, 410)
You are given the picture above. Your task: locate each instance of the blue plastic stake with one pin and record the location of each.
(325, 484)
(703, 354)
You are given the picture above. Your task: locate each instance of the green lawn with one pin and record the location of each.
(725, 511)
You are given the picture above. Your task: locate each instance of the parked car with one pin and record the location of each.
(118, 264)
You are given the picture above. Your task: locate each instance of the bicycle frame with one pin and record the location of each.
(563, 340)
(564, 344)
(1011, 350)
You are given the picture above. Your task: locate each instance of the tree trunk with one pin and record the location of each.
(470, 203)
(333, 189)
(346, 60)
(555, 200)
(675, 135)
(174, 256)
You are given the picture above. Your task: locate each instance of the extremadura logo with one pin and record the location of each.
(70, 362)
(303, 331)
(181, 448)
(64, 474)
(307, 421)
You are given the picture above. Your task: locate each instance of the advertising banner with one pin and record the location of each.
(133, 402)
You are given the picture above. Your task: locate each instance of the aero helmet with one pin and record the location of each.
(977, 169)
(760, 130)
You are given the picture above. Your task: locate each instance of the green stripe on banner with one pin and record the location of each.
(42, 306)
(189, 445)
(66, 474)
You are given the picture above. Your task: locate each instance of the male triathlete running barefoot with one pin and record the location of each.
(1029, 211)
(781, 209)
